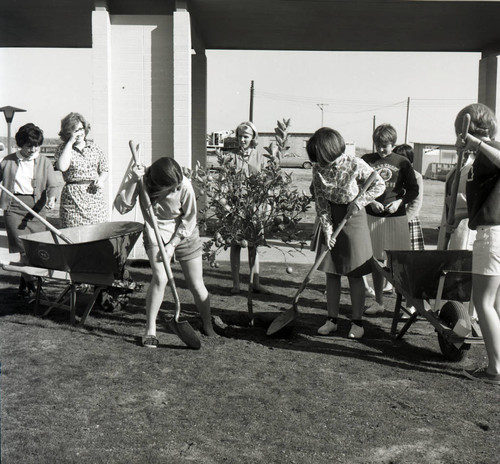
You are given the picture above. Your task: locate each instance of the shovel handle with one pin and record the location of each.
(336, 232)
(147, 201)
(450, 219)
(44, 221)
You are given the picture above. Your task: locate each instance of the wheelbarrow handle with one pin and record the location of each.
(147, 201)
(35, 214)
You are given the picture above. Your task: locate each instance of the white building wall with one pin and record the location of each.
(141, 90)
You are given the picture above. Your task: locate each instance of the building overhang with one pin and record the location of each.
(324, 25)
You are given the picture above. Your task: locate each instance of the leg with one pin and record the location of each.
(486, 295)
(357, 290)
(193, 272)
(257, 287)
(378, 285)
(235, 259)
(333, 285)
(156, 290)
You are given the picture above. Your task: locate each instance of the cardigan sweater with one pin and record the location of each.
(44, 179)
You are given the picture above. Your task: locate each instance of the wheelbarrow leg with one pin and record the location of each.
(89, 307)
(72, 304)
(397, 313)
(38, 294)
(59, 299)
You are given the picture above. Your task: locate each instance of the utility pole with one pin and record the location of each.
(321, 107)
(250, 117)
(407, 118)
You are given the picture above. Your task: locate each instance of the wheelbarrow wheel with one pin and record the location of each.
(450, 314)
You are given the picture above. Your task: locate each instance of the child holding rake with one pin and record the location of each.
(483, 205)
(174, 204)
(337, 180)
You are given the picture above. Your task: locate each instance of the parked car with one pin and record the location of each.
(292, 160)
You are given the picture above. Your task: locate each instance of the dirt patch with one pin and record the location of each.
(92, 394)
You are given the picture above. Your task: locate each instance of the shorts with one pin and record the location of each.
(486, 251)
(388, 233)
(188, 248)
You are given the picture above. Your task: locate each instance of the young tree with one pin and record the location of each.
(244, 209)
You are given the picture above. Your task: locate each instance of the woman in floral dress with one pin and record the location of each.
(85, 170)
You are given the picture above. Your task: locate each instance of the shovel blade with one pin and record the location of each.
(282, 320)
(185, 332)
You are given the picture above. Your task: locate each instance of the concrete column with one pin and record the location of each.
(199, 110)
(182, 88)
(101, 89)
(489, 81)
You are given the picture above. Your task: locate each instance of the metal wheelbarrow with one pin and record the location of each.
(438, 275)
(94, 255)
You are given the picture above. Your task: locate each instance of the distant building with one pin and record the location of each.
(434, 160)
(297, 142)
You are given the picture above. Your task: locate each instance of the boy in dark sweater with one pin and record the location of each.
(386, 215)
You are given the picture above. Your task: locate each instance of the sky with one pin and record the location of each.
(353, 88)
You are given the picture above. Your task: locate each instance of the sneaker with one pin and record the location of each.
(484, 375)
(374, 308)
(356, 331)
(327, 328)
(370, 292)
(388, 288)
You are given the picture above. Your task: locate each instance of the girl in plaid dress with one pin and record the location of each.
(413, 208)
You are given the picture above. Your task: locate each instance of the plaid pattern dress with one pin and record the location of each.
(416, 234)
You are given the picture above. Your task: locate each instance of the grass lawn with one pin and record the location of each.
(92, 394)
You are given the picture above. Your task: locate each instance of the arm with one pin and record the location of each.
(50, 185)
(188, 218)
(64, 160)
(102, 169)
(125, 199)
(476, 144)
(376, 189)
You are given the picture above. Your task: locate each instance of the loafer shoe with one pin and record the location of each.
(356, 331)
(374, 309)
(327, 328)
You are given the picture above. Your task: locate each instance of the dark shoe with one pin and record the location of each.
(149, 341)
(483, 375)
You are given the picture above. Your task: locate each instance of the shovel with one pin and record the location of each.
(55, 232)
(291, 314)
(450, 220)
(181, 328)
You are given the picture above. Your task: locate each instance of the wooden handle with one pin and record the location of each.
(450, 218)
(35, 214)
(465, 126)
(336, 232)
(147, 201)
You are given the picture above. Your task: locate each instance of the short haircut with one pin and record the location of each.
(483, 122)
(163, 176)
(248, 126)
(325, 146)
(404, 150)
(29, 134)
(384, 135)
(69, 123)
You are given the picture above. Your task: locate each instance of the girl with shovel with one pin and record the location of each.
(337, 180)
(174, 205)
